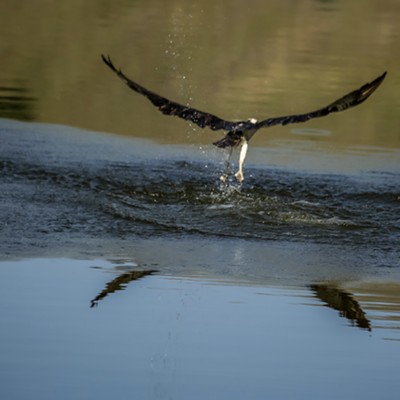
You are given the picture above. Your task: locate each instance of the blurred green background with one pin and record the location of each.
(236, 59)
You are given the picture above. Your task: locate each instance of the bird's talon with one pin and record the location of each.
(239, 176)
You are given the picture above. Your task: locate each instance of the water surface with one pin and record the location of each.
(66, 323)
(129, 191)
(234, 59)
(128, 270)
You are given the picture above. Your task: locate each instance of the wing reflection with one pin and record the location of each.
(344, 302)
(15, 104)
(119, 283)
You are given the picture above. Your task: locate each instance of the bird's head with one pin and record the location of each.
(252, 120)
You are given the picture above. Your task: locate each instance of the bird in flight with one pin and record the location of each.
(239, 133)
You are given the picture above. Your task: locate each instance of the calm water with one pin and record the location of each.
(128, 270)
(69, 331)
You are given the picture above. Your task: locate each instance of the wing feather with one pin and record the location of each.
(351, 99)
(168, 107)
(204, 119)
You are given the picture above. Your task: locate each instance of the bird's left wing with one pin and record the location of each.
(351, 99)
(169, 107)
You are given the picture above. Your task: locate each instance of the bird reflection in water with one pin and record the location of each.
(343, 302)
(120, 283)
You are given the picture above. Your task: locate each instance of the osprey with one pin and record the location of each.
(239, 133)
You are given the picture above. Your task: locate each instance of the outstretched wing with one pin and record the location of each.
(351, 99)
(169, 107)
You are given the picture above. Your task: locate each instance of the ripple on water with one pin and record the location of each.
(270, 205)
(169, 197)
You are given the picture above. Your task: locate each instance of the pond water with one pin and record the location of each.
(224, 284)
(94, 329)
(127, 269)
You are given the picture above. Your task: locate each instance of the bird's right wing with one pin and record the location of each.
(351, 99)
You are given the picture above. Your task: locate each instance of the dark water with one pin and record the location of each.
(57, 187)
